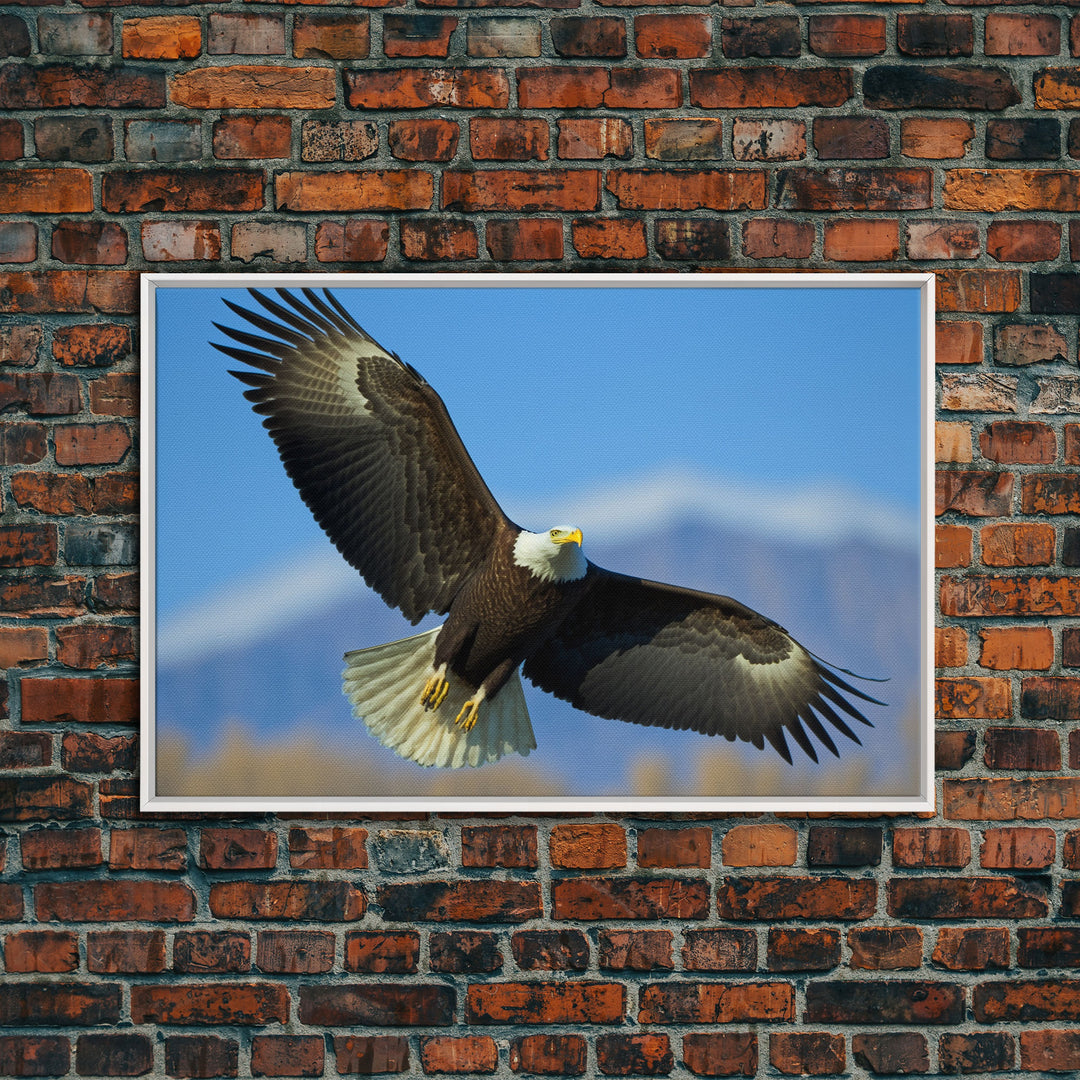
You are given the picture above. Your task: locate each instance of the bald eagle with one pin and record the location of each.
(372, 450)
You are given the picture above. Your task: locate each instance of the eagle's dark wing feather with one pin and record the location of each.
(371, 448)
(670, 657)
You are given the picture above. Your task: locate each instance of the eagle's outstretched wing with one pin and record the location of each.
(371, 448)
(675, 658)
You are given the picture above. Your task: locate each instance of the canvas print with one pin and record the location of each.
(536, 541)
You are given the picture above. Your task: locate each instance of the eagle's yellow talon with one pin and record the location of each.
(435, 691)
(466, 719)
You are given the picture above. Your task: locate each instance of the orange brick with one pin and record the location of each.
(1005, 648)
(1018, 545)
(858, 240)
(162, 37)
(662, 37)
(255, 87)
(935, 140)
(760, 845)
(952, 442)
(23, 646)
(950, 646)
(958, 343)
(588, 847)
(609, 238)
(952, 545)
(45, 191)
(1017, 849)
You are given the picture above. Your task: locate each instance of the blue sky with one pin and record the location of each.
(555, 391)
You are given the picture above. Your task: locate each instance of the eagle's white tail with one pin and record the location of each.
(384, 684)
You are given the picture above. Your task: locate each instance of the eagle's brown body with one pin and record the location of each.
(502, 615)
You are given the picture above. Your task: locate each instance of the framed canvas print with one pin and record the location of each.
(537, 542)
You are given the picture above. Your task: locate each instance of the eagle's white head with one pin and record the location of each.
(554, 555)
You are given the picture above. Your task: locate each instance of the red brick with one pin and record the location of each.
(644, 1054)
(980, 1051)
(163, 190)
(161, 37)
(666, 37)
(715, 1002)
(684, 189)
(524, 239)
(594, 138)
(34, 1055)
(41, 394)
(148, 849)
(65, 86)
(670, 848)
(609, 238)
(370, 1054)
(292, 952)
(582, 37)
(766, 140)
(795, 898)
(942, 240)
(1050, 1050)
(434, 239)
(1019, 344)
(720, 950)
(287, 1055)
(1022, 35)
(966, 948)
(550, 950)
(521, 190)
(374, 189)
(88, 752)
(41, 951)
(562, 1002)
(548, 1055)
(88, 243)
(355, 240)
(126, 951)
(111, 292)
(760, 845)
(380, 952)
(1002, 595)
(200, 951)
(54, 1003)
(882, 189)
(1033, 749)
(440, 1054)
(254, 87)
(862, 241)
(23, 646)
(973, 492)
(1026, 999)
(803, 950)
(593, 87)
(635, 950)
(776, 238)
(28, 545)
(115, 394)
(20, 343)
(11, 142)
(497, 138)
(332, 847)
(1050, 494)
(1008, 799)
(1023, 241)
(91, 345)
(629, 898)
(1017, 647)
(94, 646)
(972, 697)
(209, 1003)
(423, 139)
(114, 901)
(91, 444)
(885, 948)
(927, 847)
(338, 37)
(807, 1053)
(721, 1053)
(326, 901)
(959, 342)
(847, 35)
(851, 137)
(56, 849)
(452, 901)
(252, 137)
(769, 87)
(201, 1056)
(1017, 849)
(1044, 698)
(422, 88)
(939, 140)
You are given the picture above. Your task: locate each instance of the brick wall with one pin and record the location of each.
(540, 134)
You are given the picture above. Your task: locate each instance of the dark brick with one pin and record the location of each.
(114, 1055)
(561, 1002)
(25, 1004)
(720, 950)
(721, 1053)
(692, 240)
(900, 1001)
(635, 950)
(853, 189)
(935, 35)
(774, 36)
(889, 86)
(645, 1054)
(468, 901)
(803, 950)
(967, 898)
(377, 1004)
(1055, 294)
(629, 898)
(852, 137)
(550, 950)
(844, 846)
(14, 36)
(887, 1053)
(371, 1055)
(460, 951)
(598, 36)
(201, 1056)
(549, 1055)
(1023, 140)
(65, 86)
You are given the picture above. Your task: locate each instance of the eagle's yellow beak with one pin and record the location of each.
(571, 537)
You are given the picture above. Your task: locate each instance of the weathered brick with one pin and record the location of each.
(629, 898)
(511, 846)
(969, 898)
(966, 948)
(41, 951)
(959, 342)
(978, 1052)
(496, 138)
(245, 33)
(714, 1002)
(594, 138)
(765, 140)
(849, 846)
(1018, 344)
(379, 952)
(66, 86)
(209, 1003)
(1023, 140)
(950, 646)
(851, 137)
(1008, 799)
(1026, 999)
(854, 189)
(161, 37)
(889, 86)
(1050, 1050)
(294, 952)
(373, 189)
(336, 36)
(692, 239)
(684, 140)
(164, 190)
(952, 545)
(664, 37)
(941, 240)
(1048, 946)
(576, 36)
(935, 35)
(922, 137)
(34, 1055)
(248, 137)
(25, 750)
(422, 88)
(287, 1055)
(181, 241)
(1022, 35)
(448, 1054)
(332, 847)
(423, 139)
(355, 240)
(521, 190)
(927, 846)
(201, 1056)
(885, 948)
(650, 189)
(19, 346)
(807, 1053)
(609, 238)
(525, 239)
(371, 1054)
(795, 898)
(891, 1052)
(254, 87)
(202, 951)
(635, 950)
(1017, 849)
(777, 238)
(562, 1002)
(509, 37)
(720, 950)
(1017, 647)
(55, 1003)
(327, 901)
(463, 900)
(114, 901)
(890, 1001)
(88, 752)
(1055, 294)
(644, 1054)
(721, 1053)
(803, 950)
(18, 241)
(549, 1055)
(162, 140)
(769, 87)
(1057, 88)
(550, 950)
